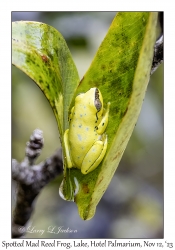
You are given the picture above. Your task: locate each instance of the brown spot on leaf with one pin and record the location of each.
(85, 188)
(117, 155)
(45, 58)
(100, 181)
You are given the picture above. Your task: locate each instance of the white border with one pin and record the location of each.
(5, 95)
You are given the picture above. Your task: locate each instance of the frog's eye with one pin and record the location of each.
(97, 101)
(98, 104)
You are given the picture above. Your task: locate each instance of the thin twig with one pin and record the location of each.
(31, 179)
(158, 54)
(158, 47)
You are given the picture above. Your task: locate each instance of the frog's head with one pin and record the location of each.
(92, 99)
(95, 99)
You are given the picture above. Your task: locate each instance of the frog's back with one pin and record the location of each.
(82, 133)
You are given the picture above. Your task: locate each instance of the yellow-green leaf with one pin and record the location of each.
(121, 70)
(42, 53)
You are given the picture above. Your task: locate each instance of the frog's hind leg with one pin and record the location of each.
(94, 156)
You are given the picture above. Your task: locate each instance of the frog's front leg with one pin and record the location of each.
(66, 146)
(94, 156)
(104, 121)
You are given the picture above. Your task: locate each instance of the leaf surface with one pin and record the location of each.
(121, 70)
(41, 52)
